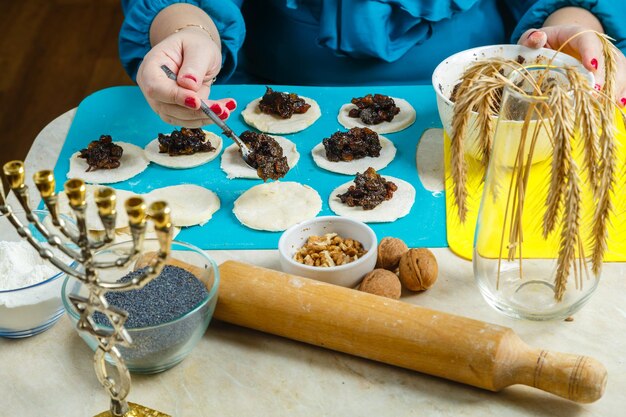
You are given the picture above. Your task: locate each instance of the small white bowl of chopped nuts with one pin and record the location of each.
(332, 249)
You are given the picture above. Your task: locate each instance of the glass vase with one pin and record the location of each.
(520, 261)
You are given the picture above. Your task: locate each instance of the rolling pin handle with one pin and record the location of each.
(577, 378)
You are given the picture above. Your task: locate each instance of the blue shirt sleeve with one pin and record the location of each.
(519, 7)
(134, 39)
(611, 13)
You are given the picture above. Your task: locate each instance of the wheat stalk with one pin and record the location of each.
(603, 203)
(486, 109)
(569, 232)
(562, 130)
(587, 122)
(523, 167)
(469, 96)
(609, 52)
(460, 120)
(570, 189)
(519, 189)
(477, 91)
(565, 112)
(607, 158)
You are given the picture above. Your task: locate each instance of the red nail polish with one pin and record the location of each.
(598, 87)
(216, 109)
(623, 100)
(231, 105)
(190, 102)
(594, 63)
(223, 116)
(191, 77)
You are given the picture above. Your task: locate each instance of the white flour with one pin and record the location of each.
(21, 266)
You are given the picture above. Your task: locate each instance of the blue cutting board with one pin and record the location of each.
(123, 113)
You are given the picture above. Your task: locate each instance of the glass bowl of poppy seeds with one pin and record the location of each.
(168, 316)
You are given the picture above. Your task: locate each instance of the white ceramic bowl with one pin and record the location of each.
(448, 73)
(347, 275)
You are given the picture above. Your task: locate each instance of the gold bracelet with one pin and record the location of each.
(201, 27)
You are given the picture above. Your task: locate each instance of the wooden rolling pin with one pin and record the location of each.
(464, 350)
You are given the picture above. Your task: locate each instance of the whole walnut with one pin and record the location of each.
(418, 269)
(382, 282)
(390, 250)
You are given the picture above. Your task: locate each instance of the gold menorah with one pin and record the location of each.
(117, 385)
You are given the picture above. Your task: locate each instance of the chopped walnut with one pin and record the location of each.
(329, 250)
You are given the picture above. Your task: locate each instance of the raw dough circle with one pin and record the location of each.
(190, 204)
(401, 121)
(269, 123)
(276, 206)
(388, 211)
(132, 162)
(123, 234)
(234, 166)
(92, 217)
(387, 153)
(184, 161)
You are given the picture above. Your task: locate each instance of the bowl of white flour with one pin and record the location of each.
(30, 287)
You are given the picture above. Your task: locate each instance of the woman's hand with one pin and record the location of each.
(196, 58)
(586, 47)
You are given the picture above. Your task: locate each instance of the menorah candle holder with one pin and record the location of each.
(82, 250)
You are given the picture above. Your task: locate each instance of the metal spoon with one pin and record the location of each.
(245, 151)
